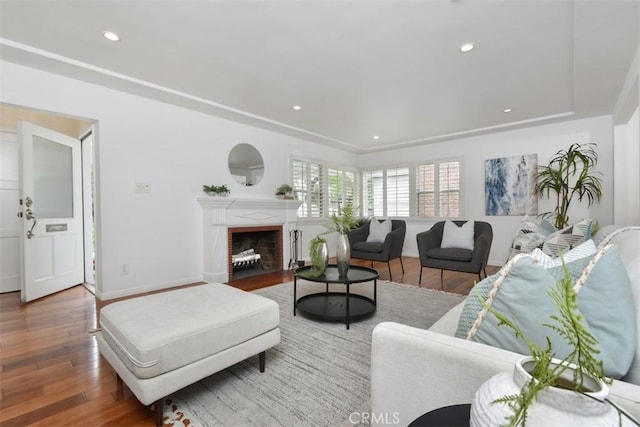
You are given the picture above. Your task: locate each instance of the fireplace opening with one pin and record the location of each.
(254, 251)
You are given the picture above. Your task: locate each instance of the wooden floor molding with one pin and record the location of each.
(53, 375)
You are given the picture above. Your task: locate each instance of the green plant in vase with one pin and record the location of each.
(284, 191)
(319, 254)
(343, 222)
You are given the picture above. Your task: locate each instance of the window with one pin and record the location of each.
(342, 189)
(307, 187)
(438, 189)
(322, 189)
(386, 192)
(373, 193)
(427, 190)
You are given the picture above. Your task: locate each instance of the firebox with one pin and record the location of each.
(254, 250)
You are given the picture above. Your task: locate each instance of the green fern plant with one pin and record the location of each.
(569, 324)
(344, 220)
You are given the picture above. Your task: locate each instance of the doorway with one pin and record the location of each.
(11, 231)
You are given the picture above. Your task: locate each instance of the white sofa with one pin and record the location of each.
(414, 371)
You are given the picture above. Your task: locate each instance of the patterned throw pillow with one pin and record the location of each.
(530, 234)
(564, 240)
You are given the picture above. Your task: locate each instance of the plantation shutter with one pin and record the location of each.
(426, 189)
(342, 189)
(373, 193)
(398, 192)
(307, 187)
(449, 189)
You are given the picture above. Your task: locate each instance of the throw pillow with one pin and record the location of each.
(530, 234)
(566, 239)
(605, 299)
(458, 237)
(473, 305)
(520, 291)
(586, 249)
(378, 230)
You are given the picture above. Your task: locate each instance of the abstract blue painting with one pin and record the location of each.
(509, 185)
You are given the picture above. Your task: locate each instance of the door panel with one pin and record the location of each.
(51, 194)
(10, 224)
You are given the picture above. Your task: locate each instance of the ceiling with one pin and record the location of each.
(357, 69)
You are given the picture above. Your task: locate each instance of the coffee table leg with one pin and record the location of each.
(347, 320)
(375, 292)
(295, 285)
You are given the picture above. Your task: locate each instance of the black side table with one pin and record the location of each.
(448, 416)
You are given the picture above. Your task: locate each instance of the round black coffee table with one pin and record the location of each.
(336, 306)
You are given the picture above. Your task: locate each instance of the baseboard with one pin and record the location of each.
(105, 296)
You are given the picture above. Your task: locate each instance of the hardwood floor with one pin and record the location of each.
(53, 375)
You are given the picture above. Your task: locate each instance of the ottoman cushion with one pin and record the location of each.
(157, 333)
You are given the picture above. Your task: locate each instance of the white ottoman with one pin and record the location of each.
(161, 343)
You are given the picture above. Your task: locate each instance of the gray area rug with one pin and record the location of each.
(317, 376)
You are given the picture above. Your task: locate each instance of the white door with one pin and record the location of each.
(51, 205)
(10, 224)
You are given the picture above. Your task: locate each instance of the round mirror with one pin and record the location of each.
(246, 165)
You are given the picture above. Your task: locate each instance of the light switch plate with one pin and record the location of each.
(143, 187)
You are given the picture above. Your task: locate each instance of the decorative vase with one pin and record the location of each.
(553, 406)
(343, 254)
(320, 259)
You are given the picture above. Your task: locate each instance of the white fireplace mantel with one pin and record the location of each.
(220, 213)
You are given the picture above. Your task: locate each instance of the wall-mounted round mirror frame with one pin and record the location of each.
(246, 165)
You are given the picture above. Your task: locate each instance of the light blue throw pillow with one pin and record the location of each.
(520, 292)
(605, 299)
(473, 305)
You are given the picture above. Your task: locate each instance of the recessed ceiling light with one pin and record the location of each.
(376, 136)
(507, 110)
(297, 107)
(466, 47)
(110, 35)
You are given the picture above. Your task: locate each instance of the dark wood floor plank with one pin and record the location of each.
(44, 412)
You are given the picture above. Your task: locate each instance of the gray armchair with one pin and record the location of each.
(455, 259)
(385, 251)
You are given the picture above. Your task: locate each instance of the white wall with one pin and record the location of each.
(627, 172)
(542, 140)
(176, 150)
(159, 235)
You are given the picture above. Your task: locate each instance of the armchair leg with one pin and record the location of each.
(442, 279)
(402, 265)
(389, 267)
(420, 279)
(485, 272)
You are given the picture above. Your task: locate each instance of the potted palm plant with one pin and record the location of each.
(570, 174)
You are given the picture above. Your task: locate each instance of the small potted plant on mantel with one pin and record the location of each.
(285, 191)
(216, 190)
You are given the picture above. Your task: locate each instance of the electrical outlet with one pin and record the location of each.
(124, 269)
